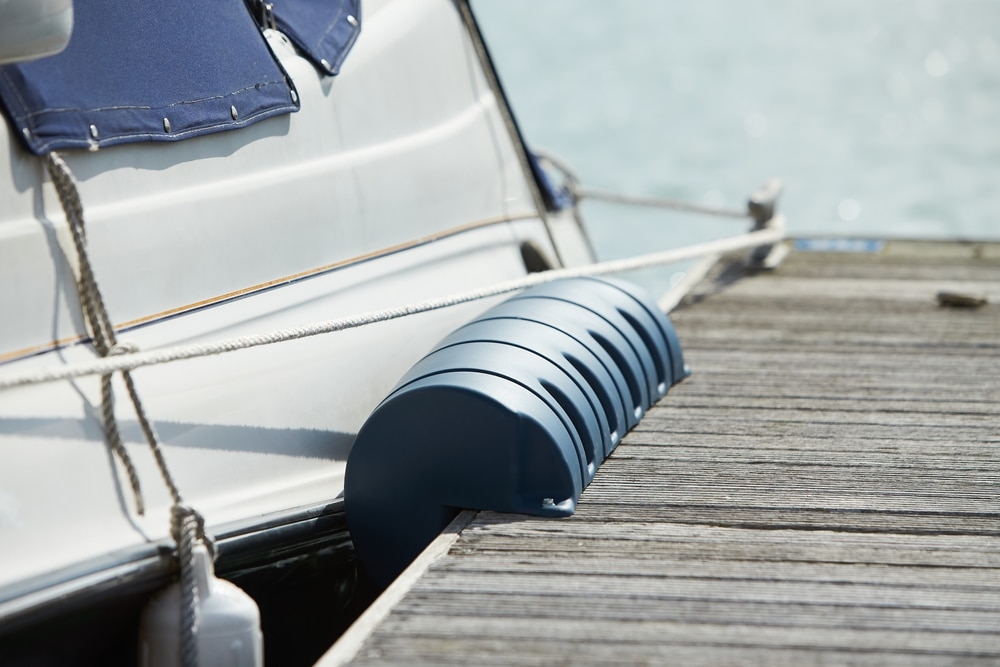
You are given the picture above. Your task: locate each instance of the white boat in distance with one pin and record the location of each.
(379, 167)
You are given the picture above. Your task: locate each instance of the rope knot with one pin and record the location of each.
(186, 521)
(187, 527)
(122, 347)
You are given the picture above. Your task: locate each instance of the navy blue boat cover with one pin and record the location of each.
(325, 31)
(167, 70)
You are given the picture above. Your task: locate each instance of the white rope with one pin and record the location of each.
(127, 362)
(187, 527)
(579, 193)
(656, 202)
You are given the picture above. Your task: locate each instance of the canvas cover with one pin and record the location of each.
(168, 70)
(324, 31)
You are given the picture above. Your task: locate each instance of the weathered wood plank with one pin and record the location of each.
(475, 651)
(899, 292)
(824, 490)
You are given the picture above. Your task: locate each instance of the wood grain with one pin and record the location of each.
(825, 489)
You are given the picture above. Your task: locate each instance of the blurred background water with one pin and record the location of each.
(881, 116)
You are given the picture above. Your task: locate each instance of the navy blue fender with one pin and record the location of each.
(678, 369)
(512, 412)
(542, 377)
(603, 391)
(569, 293)
(613, 349)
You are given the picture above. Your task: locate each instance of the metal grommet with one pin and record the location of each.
(295, 96)
(26, 133)
(352, 20)
(326, 65)
(166, 124)
(234, 113)
(93, 132)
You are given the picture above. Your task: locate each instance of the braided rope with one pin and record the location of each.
(184, 527)
(656, 202)
(187, 526)
(579, 193)
(127, 362)
(95, 314)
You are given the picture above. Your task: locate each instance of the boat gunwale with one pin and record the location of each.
(260, 288)
(144, 568)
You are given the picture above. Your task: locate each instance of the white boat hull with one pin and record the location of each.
(397, 181)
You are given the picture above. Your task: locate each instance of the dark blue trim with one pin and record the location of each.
(556, 197)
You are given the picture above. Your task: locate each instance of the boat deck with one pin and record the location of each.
(824, 489)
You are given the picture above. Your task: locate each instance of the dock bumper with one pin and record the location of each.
(513, 412)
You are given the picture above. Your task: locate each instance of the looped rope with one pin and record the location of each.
(187, 526)
(122, 347)
(179, 515)
(95, 314)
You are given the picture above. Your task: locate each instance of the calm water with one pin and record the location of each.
(882, 116)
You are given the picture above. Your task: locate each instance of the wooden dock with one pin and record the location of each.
(824, 489)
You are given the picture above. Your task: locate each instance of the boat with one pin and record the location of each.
(374, 171)
(199, 206)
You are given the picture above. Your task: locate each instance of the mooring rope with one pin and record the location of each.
(187, 526)
(95, 313)
(128, 362)
(582, 193)
(579, 193)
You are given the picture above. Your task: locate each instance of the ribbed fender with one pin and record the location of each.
(618, 308)
(544, 378)
(572, 293)
(679, 370)
(512, 412)
(617, 355)
(449, 441)
(575, 359)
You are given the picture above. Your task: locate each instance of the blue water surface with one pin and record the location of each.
(881, 116)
